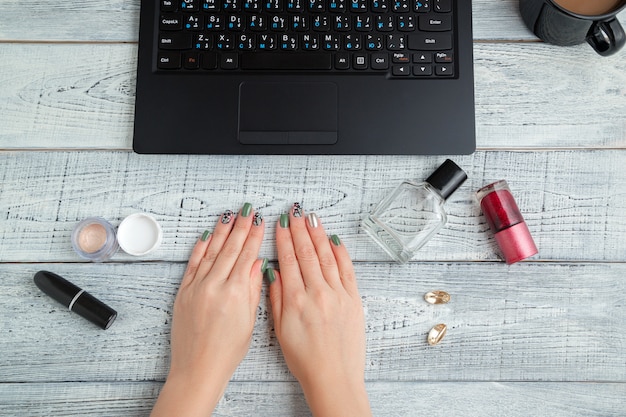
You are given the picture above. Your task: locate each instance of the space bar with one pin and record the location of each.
(286, 61)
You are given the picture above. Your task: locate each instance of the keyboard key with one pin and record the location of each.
(172, 21)
(209, 60)
(229, 61)
(423, 57)
(444, 70)
(423, 70)
(168, 60)
(443, 6)
(400, 58)
(435, 23)
(360, 61)
(444, 57)
(379, 61)
(401, 70)
(191, 60)
(342, 61)
(168, 5)
(175, 41)
(282, 61)
(430, 41)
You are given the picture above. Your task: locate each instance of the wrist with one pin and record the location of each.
(336, 395)
(189, 395)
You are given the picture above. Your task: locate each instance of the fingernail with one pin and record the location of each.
(205, 235)
(227, 217)
(335, 239)
(270, 276)
(258, 219)
(314, 221)
(284, 221)
(297, 210)
(246, 209)
(264, 265)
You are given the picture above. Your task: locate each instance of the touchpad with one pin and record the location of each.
(287, 113)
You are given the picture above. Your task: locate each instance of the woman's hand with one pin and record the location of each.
(214, 315)
(318, 316)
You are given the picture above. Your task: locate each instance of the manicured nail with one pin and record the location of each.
(227, 217)
(205, 235)
(314, 221)
(284, 221)
(258, 219)
(297, 210)
(264, 265)
(335, 239)
(270, 276)
(246, 209)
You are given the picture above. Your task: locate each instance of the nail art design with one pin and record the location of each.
(227, 217)
(297, 210)
(284, 221)
(258, 219)
(314, 221)
(205, 235)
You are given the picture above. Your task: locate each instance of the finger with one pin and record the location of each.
(344, 263)
(276, 296)
(292, 278)
(196, 257)
(249, 253)
(304, 249)
(256, 282)
(232, 248)
(325, 254)
(219, 236)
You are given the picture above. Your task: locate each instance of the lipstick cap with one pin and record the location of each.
(447, 178)
(506, 222)
(76, 299)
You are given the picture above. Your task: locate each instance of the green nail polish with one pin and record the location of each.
(335, 239)
(284, 221)
(264, 265)
(246, 209)
(270, 276)
(205, 235)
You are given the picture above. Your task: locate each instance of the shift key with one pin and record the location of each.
(175, 41)
(430, 41)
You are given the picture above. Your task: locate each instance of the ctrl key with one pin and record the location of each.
(168, 60)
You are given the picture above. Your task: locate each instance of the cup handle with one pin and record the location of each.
(606, 37)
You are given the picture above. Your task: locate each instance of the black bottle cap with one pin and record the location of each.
(447, 178)
(75, 299)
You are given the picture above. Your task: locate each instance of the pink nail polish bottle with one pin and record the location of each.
(506, 222)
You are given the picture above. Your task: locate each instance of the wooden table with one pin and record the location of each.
(542, 337)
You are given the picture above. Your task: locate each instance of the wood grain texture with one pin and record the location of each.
(573, 201)
(284, 399)
(527, 322)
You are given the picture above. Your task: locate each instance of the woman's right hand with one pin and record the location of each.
(318, 316)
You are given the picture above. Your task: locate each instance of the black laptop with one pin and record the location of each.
(305, 77)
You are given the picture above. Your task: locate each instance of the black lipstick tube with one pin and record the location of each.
(75, 299)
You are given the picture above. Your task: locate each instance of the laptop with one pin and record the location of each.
(305, 77)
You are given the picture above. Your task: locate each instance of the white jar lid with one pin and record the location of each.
(139, 234)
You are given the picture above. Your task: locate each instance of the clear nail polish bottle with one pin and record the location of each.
(408, 217)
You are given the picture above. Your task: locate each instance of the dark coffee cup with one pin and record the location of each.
(572, 22)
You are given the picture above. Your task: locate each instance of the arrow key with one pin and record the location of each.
(422, 70)
(400, 70)
(444, 70)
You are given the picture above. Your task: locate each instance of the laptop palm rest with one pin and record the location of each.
(303, 113)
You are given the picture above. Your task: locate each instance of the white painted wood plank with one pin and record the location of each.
(528, 322)
(573, 201)
(284, 399)
(528, 96)
(118, 21)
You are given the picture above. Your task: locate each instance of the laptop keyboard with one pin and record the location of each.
(399, 38)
